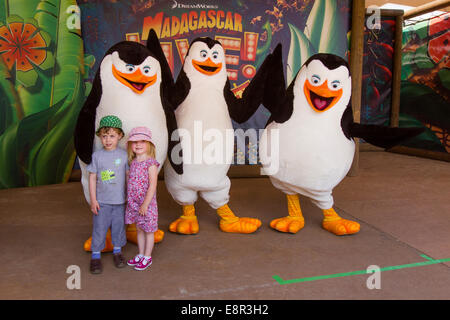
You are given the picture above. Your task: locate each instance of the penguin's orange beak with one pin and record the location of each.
(136, 81)
(321, 98)
(207, 67)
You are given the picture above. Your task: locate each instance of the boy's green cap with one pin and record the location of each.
(111, 122)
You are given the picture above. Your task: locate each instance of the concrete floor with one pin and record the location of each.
(401, 202)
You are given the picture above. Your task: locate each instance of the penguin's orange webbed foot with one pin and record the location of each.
(108, 243)
(185, 225)
(341, 227)
(159, 235)
(240, 225)
(132, 234)
(288, 224)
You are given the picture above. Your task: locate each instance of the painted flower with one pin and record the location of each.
(23, 46)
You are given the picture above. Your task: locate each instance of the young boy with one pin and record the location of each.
(107, 190)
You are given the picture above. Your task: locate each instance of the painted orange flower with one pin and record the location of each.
(23, 45)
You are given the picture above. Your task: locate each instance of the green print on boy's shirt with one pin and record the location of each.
(107, 175)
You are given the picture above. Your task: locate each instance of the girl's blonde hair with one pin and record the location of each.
(151, 151)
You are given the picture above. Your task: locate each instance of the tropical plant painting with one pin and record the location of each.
(42, 88)
(425, 88)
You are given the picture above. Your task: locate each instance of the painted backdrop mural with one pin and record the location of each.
(425, 90)
(42, 88)
(50, 50)
(248, 30)
(377, 73)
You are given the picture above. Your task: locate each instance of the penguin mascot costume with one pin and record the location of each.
(205, 104)
(314, 121)
(129, 84)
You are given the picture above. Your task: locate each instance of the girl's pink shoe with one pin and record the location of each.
(143, 264)
(133, 262)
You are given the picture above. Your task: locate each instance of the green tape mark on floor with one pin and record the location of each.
(346, 274)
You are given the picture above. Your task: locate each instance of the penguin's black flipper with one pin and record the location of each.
(242, 109)
(85, 128)
(277, 99)
(384, 137)
(173, 137)
(180, 90)
(380, 136)
(167, 82)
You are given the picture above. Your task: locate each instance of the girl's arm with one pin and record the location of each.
(153, 179)
(92, 192)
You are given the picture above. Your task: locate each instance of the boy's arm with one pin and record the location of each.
(153, 178)
(92, 192)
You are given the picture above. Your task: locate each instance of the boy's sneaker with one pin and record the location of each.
(143, 264)
(133, 262)
(96, 266)
(119, 260)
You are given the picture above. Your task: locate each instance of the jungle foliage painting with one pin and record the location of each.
(42, 88)
(425, 89)
(247, 29)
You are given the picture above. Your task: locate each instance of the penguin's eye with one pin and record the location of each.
(203, 53)
(336, 84)
(215, 55)
(130, 67)
(315, 79)
(146, 70)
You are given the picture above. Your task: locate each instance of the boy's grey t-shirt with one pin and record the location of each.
(110, 167)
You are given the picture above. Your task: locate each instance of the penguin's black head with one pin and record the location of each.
(133, 65)
(330, 61)
(131, 52)
(206, 55)
(327, 81)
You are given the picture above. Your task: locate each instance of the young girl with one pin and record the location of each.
(142, 208)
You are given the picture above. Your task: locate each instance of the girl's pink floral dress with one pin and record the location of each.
(136, 190)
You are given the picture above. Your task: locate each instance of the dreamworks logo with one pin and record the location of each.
(176, 5)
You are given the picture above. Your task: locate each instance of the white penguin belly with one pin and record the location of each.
(207, 154)
(138, 111)
(314, 158)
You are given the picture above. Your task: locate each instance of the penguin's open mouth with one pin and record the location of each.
(136, 81)
(319, 102)
(207, 67)
(137, 85)
(321, 98)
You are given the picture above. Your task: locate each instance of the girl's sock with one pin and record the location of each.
(117, 250)
(95, 255)
(147, 258)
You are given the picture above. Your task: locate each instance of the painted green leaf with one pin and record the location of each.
(315, 22)
(27, 78)
(89, 60)
(3, 11)
(23, 8)
(55, 150)
(415, 100)
(10, 106)
(426, 140)
(262, 52)
(300, 50)
(10, 174)
(325, 30)
(14, 18)
(51, 159)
